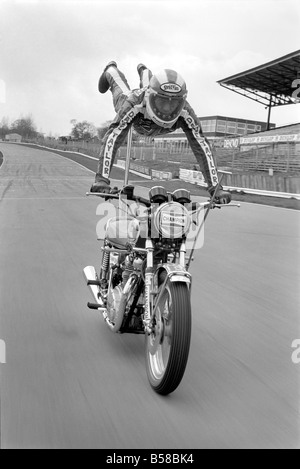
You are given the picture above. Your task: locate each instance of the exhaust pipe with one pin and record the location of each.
(92, 281)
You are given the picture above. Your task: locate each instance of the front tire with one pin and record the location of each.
(167, 347)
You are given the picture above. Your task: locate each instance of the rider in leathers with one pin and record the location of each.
(158, 107)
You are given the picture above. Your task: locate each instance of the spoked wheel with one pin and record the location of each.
(167, 347)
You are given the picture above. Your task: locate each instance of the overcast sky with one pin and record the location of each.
(53, 52)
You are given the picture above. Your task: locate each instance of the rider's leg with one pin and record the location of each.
(145, 75)
(112, 78)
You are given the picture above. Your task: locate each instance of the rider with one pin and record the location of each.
(158, 107)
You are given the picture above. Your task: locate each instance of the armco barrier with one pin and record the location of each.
(165, 175)
(196, 177)
(145, 171)
(135, 169)
(140, 169)
(281, 195)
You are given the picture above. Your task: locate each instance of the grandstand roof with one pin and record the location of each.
(270, 84)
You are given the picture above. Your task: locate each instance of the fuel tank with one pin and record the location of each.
(121, 231)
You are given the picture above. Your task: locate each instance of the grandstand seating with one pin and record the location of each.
(281, 157)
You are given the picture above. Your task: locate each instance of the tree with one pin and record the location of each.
(83, 130)
(24, 126)
(4, 127)
(103, 129)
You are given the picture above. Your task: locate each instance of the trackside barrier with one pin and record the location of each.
(2, 351)
(58, 149)
(166, 175)
(281, 195)
(146, 172)
(193, 177)
(196, 177)
(134, 169)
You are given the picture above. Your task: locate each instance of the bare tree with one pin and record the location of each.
(103, 129)
(24, 126)
(4, 127)
(83, 130)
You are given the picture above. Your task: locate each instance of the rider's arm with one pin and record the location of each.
(200, 146)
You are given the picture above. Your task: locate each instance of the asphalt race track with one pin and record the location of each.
(68, 382)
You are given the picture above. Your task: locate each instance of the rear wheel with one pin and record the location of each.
(167, 347)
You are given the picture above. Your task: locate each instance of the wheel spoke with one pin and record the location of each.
(161, 338)
(167, 348)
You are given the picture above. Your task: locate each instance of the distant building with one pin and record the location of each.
(13, 138)
(220, 126)
(215, 128)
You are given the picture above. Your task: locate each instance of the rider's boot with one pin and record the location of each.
(144, 77)
(103, 84)
(140, 69)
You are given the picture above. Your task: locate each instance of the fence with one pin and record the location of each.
(257, 182)
(80, 146)
(147, 172)
(282, 183)
(281, 157)
(140, 152)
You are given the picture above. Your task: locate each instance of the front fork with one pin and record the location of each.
(174, 273)
(149, 277)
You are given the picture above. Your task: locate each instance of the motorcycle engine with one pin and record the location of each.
(113, 302)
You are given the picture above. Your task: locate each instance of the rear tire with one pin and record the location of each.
(167, 347)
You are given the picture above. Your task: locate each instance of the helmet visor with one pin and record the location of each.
(166, 108)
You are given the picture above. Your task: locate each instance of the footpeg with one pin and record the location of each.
(94, 282)
(94, 306)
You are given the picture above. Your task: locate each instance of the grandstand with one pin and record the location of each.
(271, 84)
(271, 149)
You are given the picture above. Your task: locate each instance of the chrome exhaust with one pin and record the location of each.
(92, 281)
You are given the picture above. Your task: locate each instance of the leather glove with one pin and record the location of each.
(102, 187)
(222, 197)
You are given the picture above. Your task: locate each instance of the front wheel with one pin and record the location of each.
(167, 347)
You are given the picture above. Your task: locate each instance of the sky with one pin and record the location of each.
(53, 52)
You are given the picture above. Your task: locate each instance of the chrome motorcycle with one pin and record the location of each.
(144, 285)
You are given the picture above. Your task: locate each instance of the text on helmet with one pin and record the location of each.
(171, 87)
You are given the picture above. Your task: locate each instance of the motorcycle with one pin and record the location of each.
(144, 285)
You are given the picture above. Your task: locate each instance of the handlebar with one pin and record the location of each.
(107, 196)
(136, 198)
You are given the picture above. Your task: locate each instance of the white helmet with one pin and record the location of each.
(165, 97)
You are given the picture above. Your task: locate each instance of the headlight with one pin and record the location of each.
(172, 220)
